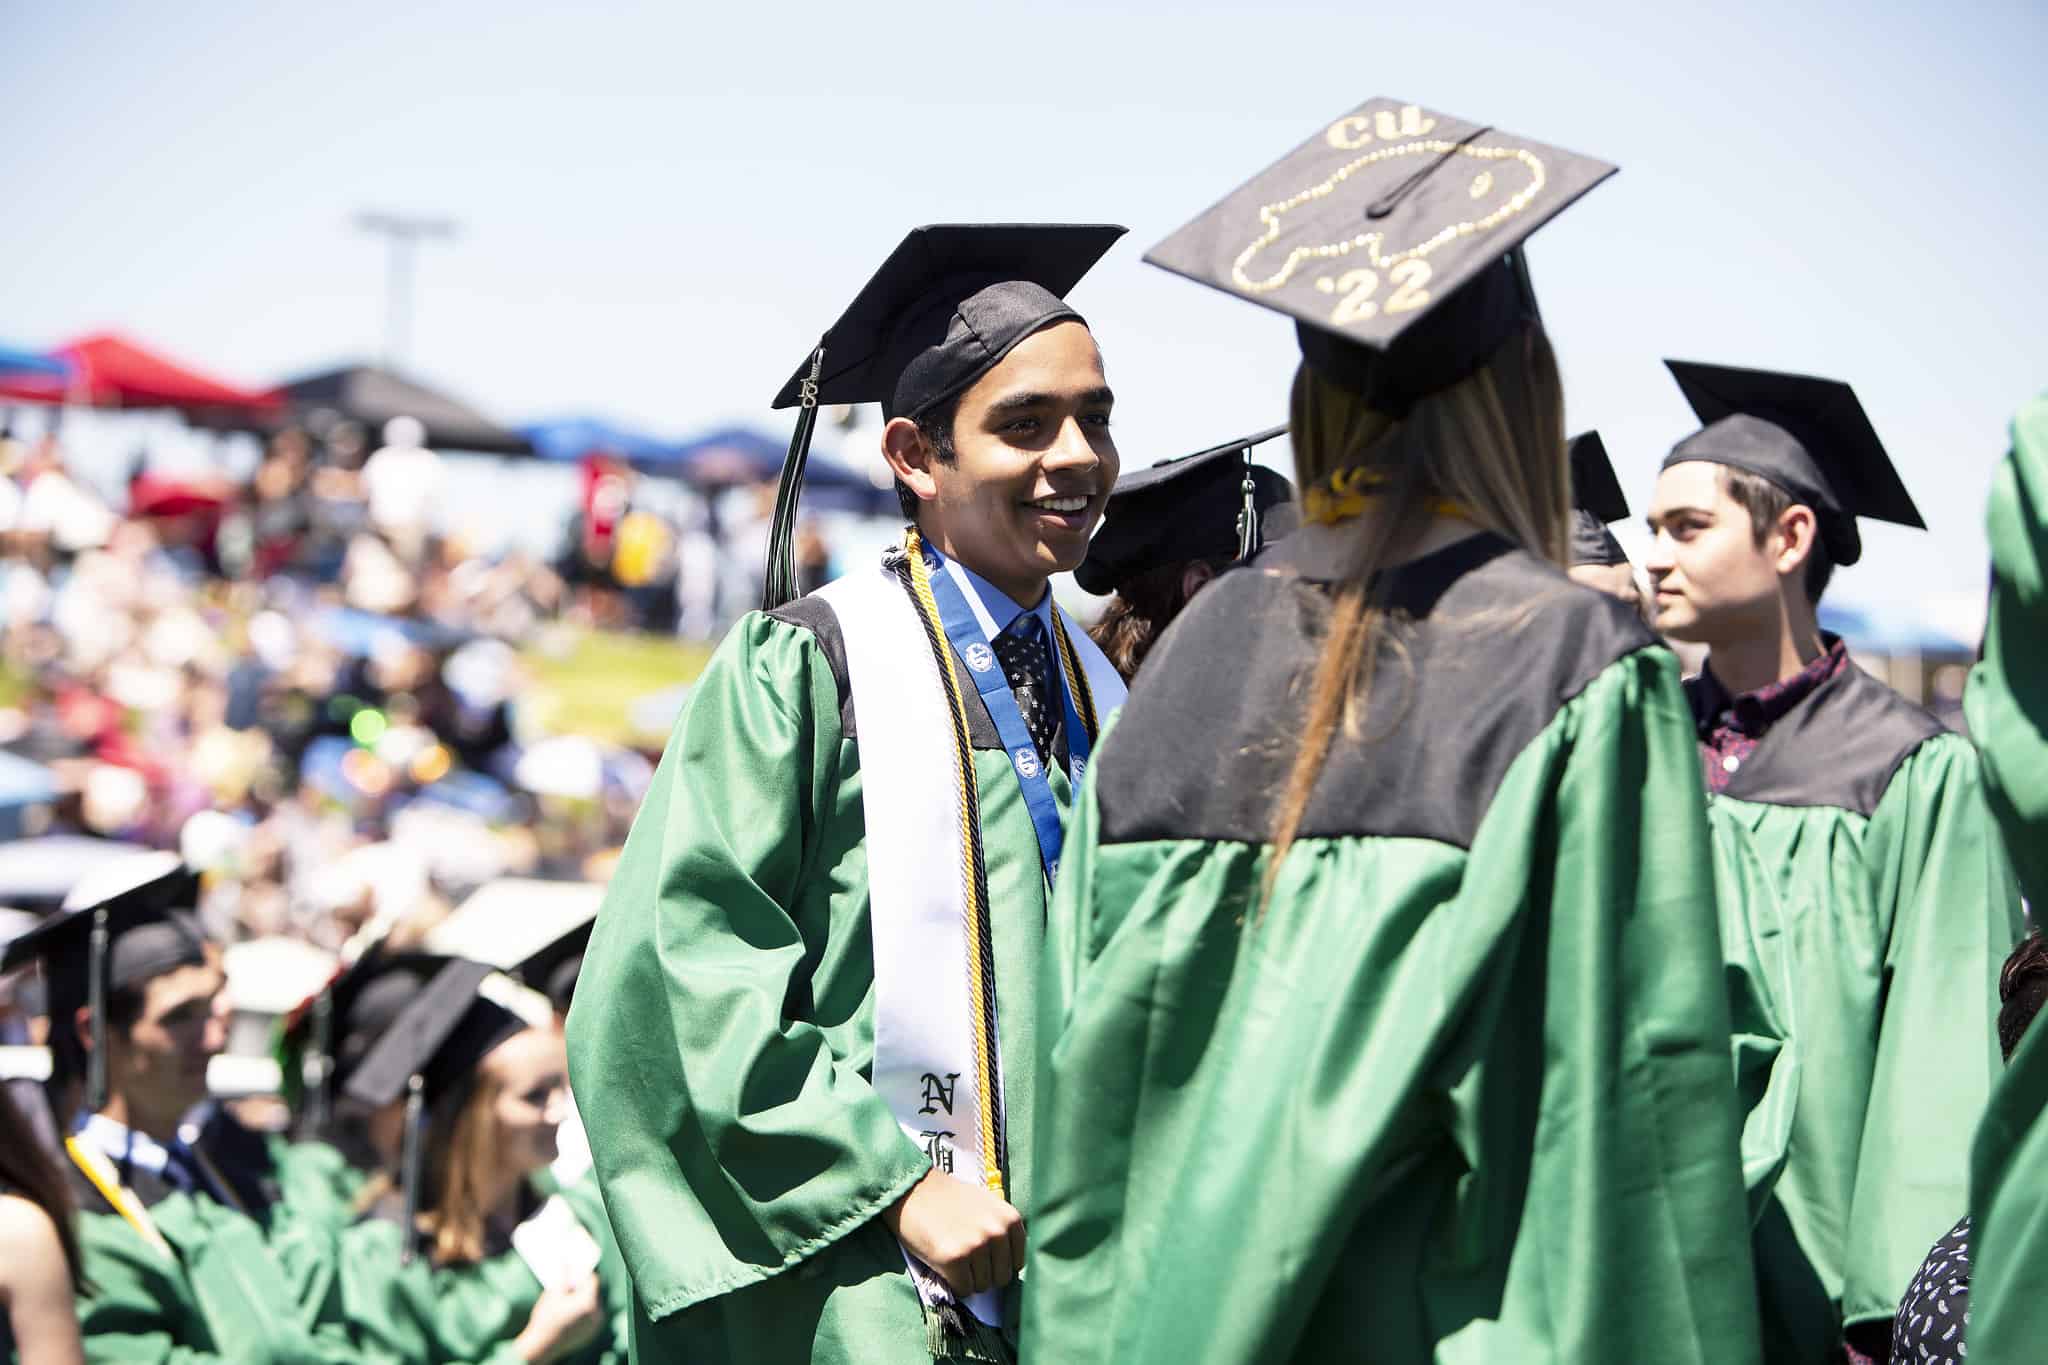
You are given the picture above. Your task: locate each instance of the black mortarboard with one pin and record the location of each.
(552, 970)
(1597, 501)
(950, 302)
(132, 924)
(427, 1056)
(1183, 509)
(1391, 238)
(439, 1035)
(1808, 436)
(320, 1044)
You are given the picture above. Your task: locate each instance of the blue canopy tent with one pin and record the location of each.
(568, 439)
(20, 361)
(740, 455)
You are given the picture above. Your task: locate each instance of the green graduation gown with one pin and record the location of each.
(722, 1038)
(1460, 1091)
(219, 1289)
(1866, 903)
(2007, 706)
(417, 1312)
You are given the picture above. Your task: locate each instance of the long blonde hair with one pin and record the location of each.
(1493, 443)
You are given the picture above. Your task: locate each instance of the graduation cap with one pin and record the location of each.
(427, 1056)
(1208, 505)
(1597, 502)
(320, 1043)
(1392, 237)
(947, 305)
(1808, 436)
(535, 931)
(122, 925)
(553, 969)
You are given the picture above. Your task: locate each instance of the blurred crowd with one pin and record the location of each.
(305, 688)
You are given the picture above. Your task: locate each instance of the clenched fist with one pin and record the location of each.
(974, 1240)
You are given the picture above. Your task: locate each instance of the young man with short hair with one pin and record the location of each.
(179, 1258)
(1866, 898)
(802, 1040)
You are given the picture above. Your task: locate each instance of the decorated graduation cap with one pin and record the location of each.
(1208, 505)
(125, 923)
(1808, 436)
(1597, 502)
(950, 302)
(320, 1044)
(1392, 237)
(427, 1056)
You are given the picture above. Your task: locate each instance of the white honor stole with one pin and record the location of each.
(911, 777)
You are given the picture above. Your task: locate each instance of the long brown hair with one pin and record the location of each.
(28, 1169)
(1141, 609)
(460, 1156)
(1493, 443)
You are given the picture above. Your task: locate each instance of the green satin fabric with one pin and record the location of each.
(1874, 947)
(2007, 704)
(421, 1313)
(315, 1183)
(722, 1036)
(1432, 1105)
(226, 1294)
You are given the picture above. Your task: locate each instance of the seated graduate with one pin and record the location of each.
(318, 1046)
(806, 1050)
(1383, 1015)
(2007, 708)
(466, 1257)
(39, 1260)
(1598, 561)
(1866, 898)
(1170, 529)
(179, 1260)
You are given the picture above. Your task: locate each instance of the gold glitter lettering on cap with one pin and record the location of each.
(1371, 242)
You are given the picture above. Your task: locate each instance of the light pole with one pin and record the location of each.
(401, 232)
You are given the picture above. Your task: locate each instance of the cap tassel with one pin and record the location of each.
(1248, 519)
(96, 997)
(781, 585)
(410, 1164)
(319, 1064)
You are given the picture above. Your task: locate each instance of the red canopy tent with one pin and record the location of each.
(110, 371)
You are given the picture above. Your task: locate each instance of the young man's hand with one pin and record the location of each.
(971, 1238)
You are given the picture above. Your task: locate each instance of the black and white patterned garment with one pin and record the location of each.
(1932, 1317)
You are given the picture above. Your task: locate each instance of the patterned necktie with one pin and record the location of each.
(1027, 663)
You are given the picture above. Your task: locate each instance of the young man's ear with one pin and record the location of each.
(910, 457)
(1796, 534)
(81, 1026)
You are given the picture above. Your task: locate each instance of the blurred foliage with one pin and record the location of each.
(584, 682)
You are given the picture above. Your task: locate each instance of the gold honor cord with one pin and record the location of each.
(917, 578)
(1077, 679)
(118, 1196)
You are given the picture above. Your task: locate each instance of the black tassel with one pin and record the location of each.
(780, 586)
(410, 1164)
(96, 996)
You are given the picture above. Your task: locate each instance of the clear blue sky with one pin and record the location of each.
(663, 205)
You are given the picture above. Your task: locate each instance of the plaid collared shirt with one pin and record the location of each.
(1730, 728)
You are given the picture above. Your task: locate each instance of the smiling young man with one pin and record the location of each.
(802, 1039)
(180, 1264)
(1866, 899)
